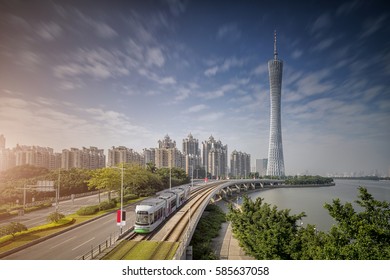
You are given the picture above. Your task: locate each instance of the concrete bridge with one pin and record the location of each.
(224, 190)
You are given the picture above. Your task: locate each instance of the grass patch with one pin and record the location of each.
(207, 229)
(143, 250)
(22, 238)
(166, 251)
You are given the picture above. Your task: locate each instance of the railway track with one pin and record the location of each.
(167, 236)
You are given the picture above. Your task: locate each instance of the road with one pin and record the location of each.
(39, 217)
(76, 242)
(73, 244)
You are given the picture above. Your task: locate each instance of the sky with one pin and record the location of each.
(127, 73)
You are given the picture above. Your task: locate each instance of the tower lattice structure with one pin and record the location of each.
(275, 165)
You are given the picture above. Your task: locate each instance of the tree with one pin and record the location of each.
(177, 175)
(55, 217)
(13, 228)
(22, 172)
(264, 231)
(108, 179)
(359, 234)
(136, 180)
(151, 167)
(268, 233)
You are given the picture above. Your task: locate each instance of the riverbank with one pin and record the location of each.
(306, 186)
(225, 246)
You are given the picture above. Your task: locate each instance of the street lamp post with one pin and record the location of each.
(58, 189)
(192, 176)
(170, 177)
(121, 213)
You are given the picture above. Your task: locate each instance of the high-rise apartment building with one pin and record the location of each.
(275, 149)
(167, 155)
(32, 155)
(240, 164)
(86, 158)
(149, 155)
(215, 159)
(37, 156)
(121, 154)
(191, 152)
(191, 146)
(261, 166)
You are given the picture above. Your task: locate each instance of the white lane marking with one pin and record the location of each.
(62, 242)
(83, 243)
(109, 221)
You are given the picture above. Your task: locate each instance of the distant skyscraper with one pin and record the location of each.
(240, 164)
(167, 155)
(86, 158)
(275, 165)
(261, 166)
(191, 152)
(215, 158)
(123, 154)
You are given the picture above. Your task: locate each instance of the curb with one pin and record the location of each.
(32, 243)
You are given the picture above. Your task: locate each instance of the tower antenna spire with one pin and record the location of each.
(275, 51)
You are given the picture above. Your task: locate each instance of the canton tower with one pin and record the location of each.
(275, 150)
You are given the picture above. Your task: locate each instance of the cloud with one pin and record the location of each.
(28, 58)
(68, 85)
(219, 92)
(322, 22)
(177, 7)
(98, 64)
(211, 71)
(324, 44)
(69, 124)
(154, 56)
(370, 26)
(261, 69)
(348, 7)
(182, 94)
(196, 108)
(49, 31)
(102, 29)
(169, 80)
(229, 32)
(302, 85)
(225, 66)
(211, 117)
(296, 54)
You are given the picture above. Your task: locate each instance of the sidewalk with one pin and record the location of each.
(225, 246)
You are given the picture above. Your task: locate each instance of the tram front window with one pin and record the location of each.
(142, 218)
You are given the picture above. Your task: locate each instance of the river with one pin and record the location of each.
(312, 200)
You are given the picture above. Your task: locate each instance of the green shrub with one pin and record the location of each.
(105, 205)
(55, 217)
(12, 228)
(89, 210)
(129, 197)
(207, 229)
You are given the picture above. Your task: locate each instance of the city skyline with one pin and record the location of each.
(127, 73)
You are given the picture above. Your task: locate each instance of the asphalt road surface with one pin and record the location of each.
(76, 242)
(39, 217)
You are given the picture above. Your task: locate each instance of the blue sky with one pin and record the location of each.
(109, 73)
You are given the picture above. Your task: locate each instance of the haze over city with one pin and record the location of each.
(110, 73)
